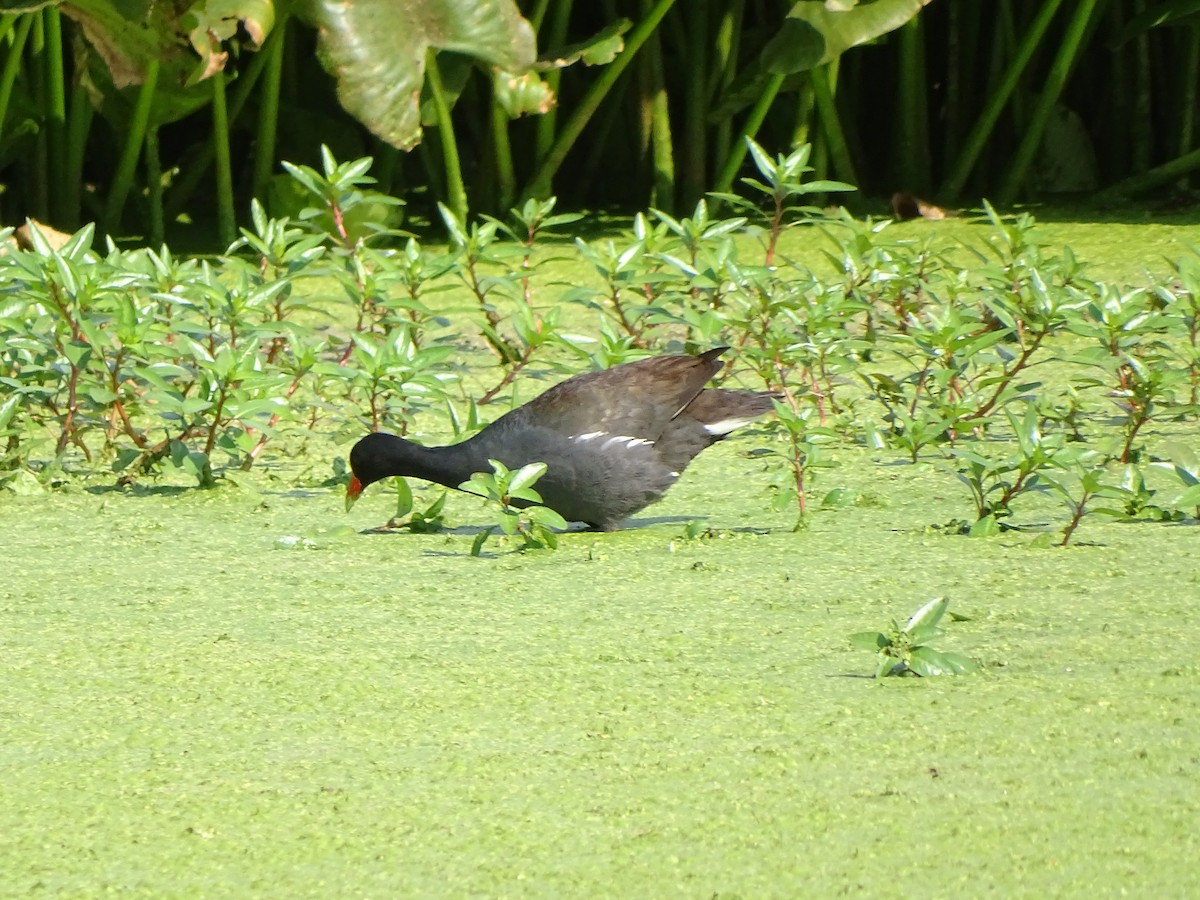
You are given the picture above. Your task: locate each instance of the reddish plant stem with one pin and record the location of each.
(252, 455)
(508, 378)
(1021, 363)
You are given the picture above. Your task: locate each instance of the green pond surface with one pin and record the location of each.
(232, 693)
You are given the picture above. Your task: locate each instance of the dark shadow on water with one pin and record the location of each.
(1159, 523)
(140, 490)
(1173, 209)
(661, 520)
(449, 553)
(298, 493)
(575, 527)
(462, 530)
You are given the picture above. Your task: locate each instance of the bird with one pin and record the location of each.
(613, 440)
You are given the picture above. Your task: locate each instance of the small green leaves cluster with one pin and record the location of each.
(511, 496)
(143, 363)
(139, 362)
(424, 521)
(909, 650)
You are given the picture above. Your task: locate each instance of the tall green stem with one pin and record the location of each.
(12, 65)
(226, 216)
(134, 139)
(913, 117)
(1188, 89)
(155, 233)
(695, 102)
(79, 121)
(540, 184)
(1051, 91)
(823, 80)
(200, 161)
(268, 111)
(56, 111)
(958, 39)
(737, 153)
(725, 64)
(456, 192)
(554, 39)
(606, 122)
(506, 178)
(805, 104)
(981, 132)
(661, 145)
(1154, 178)
(1141, 134)
(37, 178)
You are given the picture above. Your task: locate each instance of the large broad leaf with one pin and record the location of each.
(127, 35)
(376, 51)
(818, 31)
(211, 22)
(812, 33)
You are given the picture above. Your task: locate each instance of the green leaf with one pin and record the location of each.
(927, 661)
(598, 50)
(817, 32)
(1190, 497)
(24, 483)
(130, 38)
(8, 409)
(78, 353)
(824, 187)
(923, 662)
(526, 475)
(435, 508)
(213, 21)
(404, 497)
(481, 484)
(546, 517)
(527, 494)
(376, 50)
(481, 539)
(125, 457)
(923, 634)
(502, 472)
(928, 616)
(523, 94)
(888, 665)
(985, 527)
(869, 640)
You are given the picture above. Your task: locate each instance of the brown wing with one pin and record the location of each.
(636, 399)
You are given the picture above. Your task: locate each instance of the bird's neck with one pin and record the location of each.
(450, 465)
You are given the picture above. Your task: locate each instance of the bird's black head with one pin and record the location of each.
(369, 463)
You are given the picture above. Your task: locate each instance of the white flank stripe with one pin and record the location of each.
(727, 425)
(625, 439)
(589, 436)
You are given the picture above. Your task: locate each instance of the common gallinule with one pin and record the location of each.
(613, 441)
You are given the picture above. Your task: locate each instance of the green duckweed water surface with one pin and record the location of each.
(190, 708)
